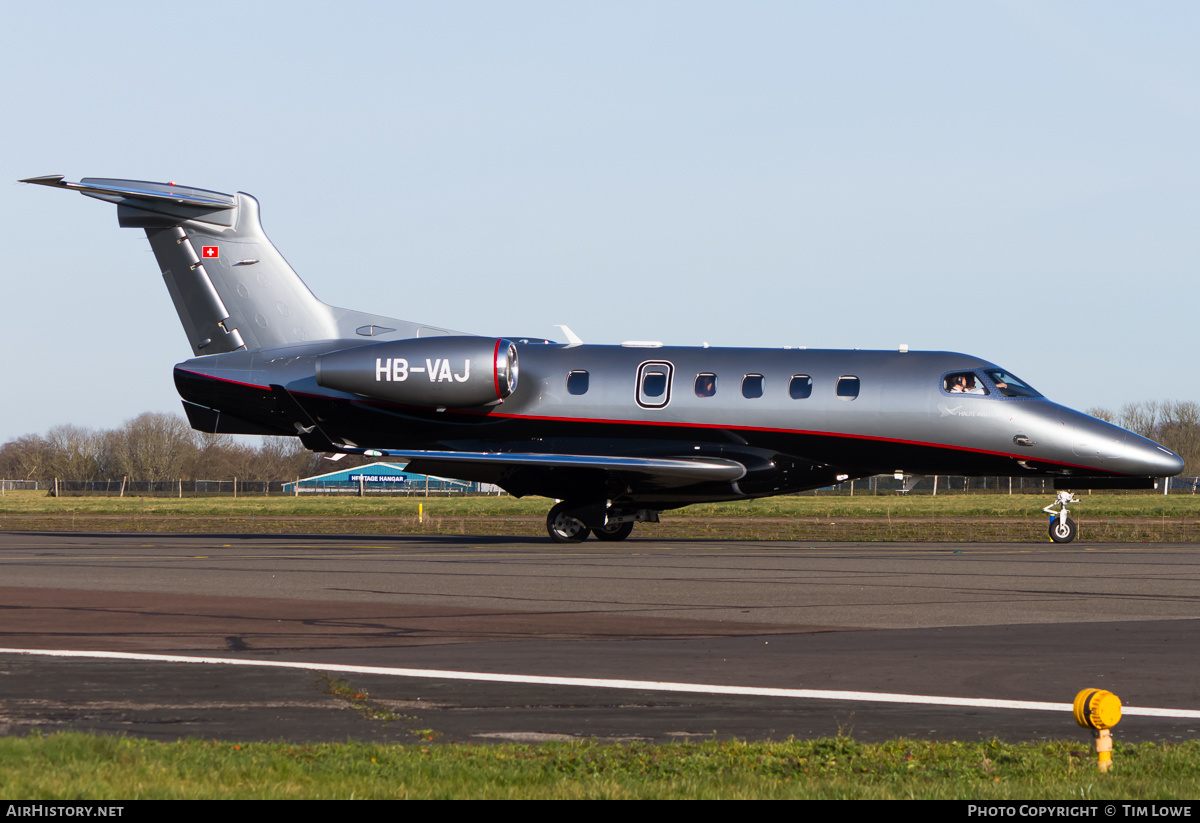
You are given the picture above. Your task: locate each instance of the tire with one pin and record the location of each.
(563, 528)
(614, 531)
(1063, 531)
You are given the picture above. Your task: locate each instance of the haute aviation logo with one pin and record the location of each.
(958, 411)
(210, 252)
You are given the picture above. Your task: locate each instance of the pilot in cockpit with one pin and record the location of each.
(964, 383)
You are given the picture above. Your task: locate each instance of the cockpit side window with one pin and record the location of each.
(1010, 386)
(963, 382)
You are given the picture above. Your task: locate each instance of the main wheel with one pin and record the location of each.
(613, 531)
(1063, 530)
(563, 528)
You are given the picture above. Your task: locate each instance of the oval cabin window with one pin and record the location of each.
(847, 387)
(752, 386)
(800, 387)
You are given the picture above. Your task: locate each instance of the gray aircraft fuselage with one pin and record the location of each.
(616, 432)
(902, 419)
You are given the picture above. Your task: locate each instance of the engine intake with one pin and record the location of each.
(454, 372)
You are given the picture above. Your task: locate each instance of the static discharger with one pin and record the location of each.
(1099, 710)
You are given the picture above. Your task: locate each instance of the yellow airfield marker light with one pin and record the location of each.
(420, 512)
(1099, 710)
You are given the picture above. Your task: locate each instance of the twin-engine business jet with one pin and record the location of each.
(616, 433)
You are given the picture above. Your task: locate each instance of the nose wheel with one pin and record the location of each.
(1062, 528)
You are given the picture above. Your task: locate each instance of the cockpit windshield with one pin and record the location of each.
(1009, 385)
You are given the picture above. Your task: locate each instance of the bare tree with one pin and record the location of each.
(74, 452)
(26, 458)
(152, 446)
(1179, 430)
(284, 458)
(1141, 417)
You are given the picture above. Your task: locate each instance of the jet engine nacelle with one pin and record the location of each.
(453, 372)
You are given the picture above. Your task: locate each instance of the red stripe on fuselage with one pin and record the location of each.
(675, 424)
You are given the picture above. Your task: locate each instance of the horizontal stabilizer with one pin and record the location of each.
(113, 190)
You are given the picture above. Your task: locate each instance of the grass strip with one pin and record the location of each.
(989, 518)
(79, 766)
(802, 505)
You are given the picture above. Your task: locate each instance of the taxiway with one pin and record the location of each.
(1005, 622)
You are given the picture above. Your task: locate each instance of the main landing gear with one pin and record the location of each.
(563, 528)
(613, 531)
(1062, 527)
(565, 523)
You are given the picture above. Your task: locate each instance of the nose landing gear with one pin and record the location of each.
(1062, 528)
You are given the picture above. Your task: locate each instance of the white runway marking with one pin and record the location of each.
(600, 683)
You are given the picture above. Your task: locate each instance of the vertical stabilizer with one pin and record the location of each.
(231, 287)
(213, 270)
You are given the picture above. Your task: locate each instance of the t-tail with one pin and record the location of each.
(231, 287)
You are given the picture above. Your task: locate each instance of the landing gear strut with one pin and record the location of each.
(1062, 527)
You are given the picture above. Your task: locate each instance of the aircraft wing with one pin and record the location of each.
(516, 471)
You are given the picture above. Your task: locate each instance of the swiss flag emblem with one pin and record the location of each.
(210, 251)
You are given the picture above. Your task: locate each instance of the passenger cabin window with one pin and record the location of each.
(654, 384)
(577, 382)
(847, 387)
(964, 382)
(752, 386)
(800, 387)
(706, 385)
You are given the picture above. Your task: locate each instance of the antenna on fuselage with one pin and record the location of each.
(572, 338)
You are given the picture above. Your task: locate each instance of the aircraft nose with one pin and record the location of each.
(1163, 461)
(1149, 458)
(1115, 448)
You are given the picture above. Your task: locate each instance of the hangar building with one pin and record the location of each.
(387, 478)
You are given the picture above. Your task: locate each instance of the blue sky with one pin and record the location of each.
(1014, 180)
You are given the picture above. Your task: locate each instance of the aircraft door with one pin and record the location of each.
(654, 384)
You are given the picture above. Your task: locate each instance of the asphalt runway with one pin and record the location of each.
(1006, 622)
